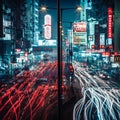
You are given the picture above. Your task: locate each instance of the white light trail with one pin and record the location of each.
(100, 101)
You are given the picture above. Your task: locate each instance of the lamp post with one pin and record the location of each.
(59, 50)
(59, 46)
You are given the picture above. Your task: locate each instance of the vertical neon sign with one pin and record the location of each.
(110, 18)
(47, 27)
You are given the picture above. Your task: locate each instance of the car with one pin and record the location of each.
(104, 75)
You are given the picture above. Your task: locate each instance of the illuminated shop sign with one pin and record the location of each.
(79, 27)
(117, 58)
(47, 33)
(102, 39)
(110, 16)
(47, 27)
(47, 20)
(79, 38)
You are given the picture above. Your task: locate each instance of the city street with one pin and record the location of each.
(33, 95)
(59, 59)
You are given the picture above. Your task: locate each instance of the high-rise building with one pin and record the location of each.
(36, 20)
(19, 28)
(116, 38)
(6, 35)
(28, 22)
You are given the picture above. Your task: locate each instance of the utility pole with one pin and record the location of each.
(59, 46)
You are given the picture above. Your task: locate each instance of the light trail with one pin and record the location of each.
(100, 101)
(23, 100)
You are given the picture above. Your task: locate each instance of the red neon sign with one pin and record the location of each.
(105, 53)
(110, 16)
(115, 53)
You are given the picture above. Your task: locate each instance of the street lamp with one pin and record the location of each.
(79, 8)
(43, 8)
(59, 48)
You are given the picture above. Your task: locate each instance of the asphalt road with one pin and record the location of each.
(68, 105)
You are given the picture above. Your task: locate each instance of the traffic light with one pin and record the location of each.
(26, 54)
(102, 46)
(71, 69)
(93, 46)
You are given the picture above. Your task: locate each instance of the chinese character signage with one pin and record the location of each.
(47, 27)
(79, 27)
(102, 39)
(110, 16)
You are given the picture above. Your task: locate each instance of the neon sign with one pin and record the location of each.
(79, 27)
(110, 16)
(47, 27)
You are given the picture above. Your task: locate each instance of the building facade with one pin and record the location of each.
(6, 36)
(19, 29)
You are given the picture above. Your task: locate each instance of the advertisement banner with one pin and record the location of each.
(110, 17)
(102, 39)
(79, 38)
(79, 27)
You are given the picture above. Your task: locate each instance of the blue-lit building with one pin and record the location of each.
(28, 21)
(6, 36)
(19, 29)
(29, 18)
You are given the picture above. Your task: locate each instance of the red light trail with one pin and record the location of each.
(23, 99)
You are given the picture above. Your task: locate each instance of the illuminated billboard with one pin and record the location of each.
(110, 17)
(79, 38)
(79, 27)
(47, 27)
(102, 39)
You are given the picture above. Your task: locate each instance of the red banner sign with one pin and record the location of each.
(110, 18)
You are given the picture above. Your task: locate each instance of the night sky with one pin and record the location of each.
(68, 16)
